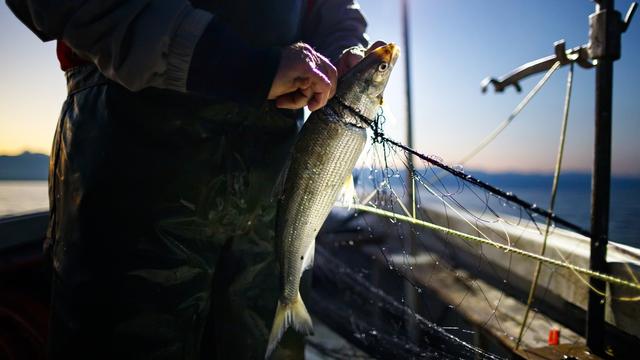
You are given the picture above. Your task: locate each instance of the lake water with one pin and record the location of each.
(19, 197)
(574, 205)
(573, 201)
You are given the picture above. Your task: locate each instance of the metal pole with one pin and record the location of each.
(407, 65)
(410, 293)
(600, 186)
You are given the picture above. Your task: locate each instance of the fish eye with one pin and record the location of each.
(383, 67)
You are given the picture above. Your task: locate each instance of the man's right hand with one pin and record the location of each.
(304, 77)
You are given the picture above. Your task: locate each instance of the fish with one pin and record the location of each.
(321, 161)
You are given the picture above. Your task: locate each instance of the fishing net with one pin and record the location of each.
(431, 262)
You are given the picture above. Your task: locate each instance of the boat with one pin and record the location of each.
(396, 277)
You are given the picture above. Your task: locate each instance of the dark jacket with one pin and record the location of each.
(218, 48)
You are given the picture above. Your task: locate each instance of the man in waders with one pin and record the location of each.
(178, 121)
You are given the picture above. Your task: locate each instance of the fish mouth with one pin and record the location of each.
(388, 53)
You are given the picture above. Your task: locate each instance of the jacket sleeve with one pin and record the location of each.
(155, 43)
(332, 26)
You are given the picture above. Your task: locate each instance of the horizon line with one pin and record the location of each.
(467, 170)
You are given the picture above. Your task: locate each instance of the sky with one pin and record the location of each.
(454, 45)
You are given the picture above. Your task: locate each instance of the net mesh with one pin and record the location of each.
(403, 290)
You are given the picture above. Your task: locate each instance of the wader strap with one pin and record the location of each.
(82, 77)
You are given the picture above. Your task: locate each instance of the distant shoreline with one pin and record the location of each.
(35, 167)
(24, 167)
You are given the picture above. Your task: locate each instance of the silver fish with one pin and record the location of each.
(322, 158)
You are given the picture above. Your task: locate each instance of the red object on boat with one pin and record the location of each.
(554, 336)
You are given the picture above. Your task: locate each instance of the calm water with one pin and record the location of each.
(574, 201)
(18, 197)
(574, 205)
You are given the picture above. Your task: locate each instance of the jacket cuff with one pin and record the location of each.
(224, 66)
(182, 46)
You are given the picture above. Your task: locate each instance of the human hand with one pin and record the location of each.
(349, 59)
(304, 77)
(353, 55)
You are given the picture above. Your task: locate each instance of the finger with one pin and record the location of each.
(307, 92)
(324, 66)
(332, 74)
(320, 85)
(319, 99)
(347, 61)
(301, 83)
(292, 100)
(375, 45)
(315, 102)
(327, 68)
(352, 59)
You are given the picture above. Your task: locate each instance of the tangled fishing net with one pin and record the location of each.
(422, 264)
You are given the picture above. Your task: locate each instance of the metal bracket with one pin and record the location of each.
(604, 41)
(600, 45)
(577, 55)
(604, 38)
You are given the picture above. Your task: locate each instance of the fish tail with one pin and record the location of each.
(294, 314)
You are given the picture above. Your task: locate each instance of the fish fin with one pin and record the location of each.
(307, 261)
(348, 195)
(278, 188)
(295, 315)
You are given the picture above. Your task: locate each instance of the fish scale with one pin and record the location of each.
(322, 158)
(312, 195)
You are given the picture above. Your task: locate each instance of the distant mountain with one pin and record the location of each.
(26, 166)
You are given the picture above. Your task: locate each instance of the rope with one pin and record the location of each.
(380, 137)
(512, 116)
(492, 189)
(507, 248)
(602, 293)
(554, 190)
(521, 105)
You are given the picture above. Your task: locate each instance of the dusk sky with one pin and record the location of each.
(455, 44)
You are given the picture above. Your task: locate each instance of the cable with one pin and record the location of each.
(604, 277)
(554, 190)
(513, 115)
(379, 136)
